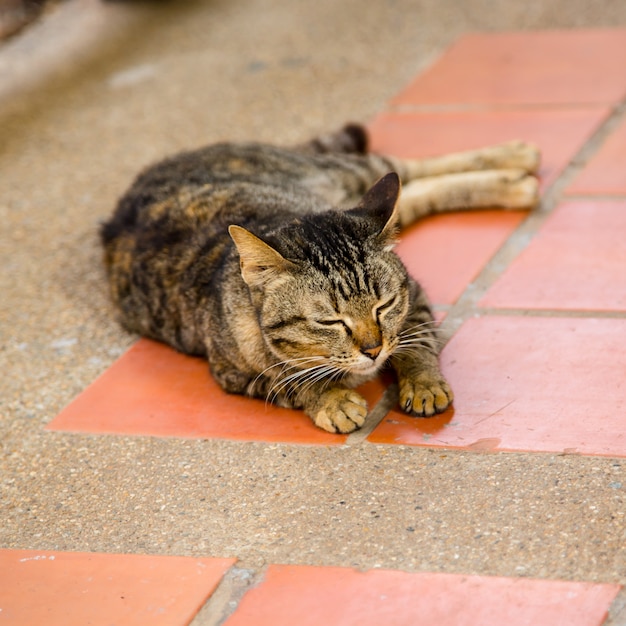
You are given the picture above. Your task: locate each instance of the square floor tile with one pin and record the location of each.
(153, 390)
(527, 384)
(559, 133)
(524, 68)
(75, 589)
(310, 596)
(444, 253)
(606, 171)
(576, 261)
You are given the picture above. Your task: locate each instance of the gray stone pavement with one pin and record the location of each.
(97, 90)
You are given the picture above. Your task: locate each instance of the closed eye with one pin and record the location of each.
(334, 322)
(387, 305)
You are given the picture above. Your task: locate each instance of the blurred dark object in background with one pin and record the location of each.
(16, 14)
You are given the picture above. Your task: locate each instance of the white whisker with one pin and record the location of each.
(421, 335)
(325, 376)
(314, 373)
(408, 347)
(289, 363)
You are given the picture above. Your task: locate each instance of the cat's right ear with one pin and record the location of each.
(259, 261)
(380, 205)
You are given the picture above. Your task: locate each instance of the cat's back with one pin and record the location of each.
(237, 180)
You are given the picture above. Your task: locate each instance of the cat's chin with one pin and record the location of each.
(362, 373)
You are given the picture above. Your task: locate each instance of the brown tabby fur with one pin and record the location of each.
(246, 254)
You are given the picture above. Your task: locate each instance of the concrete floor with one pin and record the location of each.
(90, 95)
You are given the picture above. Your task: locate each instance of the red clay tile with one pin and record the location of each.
(558, 133)
(446, 252)
(576, 261)
(153, 390)
(74, 589)
(606, 171)
(528, 384)
(310, 596)
(525, 68)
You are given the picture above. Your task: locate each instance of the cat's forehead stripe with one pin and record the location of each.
(342, 259)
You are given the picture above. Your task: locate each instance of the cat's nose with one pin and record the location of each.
(371, 351)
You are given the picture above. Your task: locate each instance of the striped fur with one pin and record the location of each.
(303, 298)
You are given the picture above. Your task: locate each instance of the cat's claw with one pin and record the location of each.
(425, 396)
(341, 411)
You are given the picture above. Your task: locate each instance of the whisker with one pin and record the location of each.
(331, 373)
(426, 324)
(286, 365)
(408, 347)
(418, 330)
(419, 334)
(279, 384)
(289, 362)
(420, 339)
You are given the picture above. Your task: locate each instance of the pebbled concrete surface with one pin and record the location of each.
(95, 91)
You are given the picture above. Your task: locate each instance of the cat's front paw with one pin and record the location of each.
(425, 395)
(340, 411)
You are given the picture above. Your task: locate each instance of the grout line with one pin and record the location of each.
(375, 416)
(223, 602)
(467, 305)
(617, 610)
(593, 144)
(486, 107)
(564, 313)
(574, 196)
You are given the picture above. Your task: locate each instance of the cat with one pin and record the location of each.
(277, 264)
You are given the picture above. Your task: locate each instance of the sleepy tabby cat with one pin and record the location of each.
(277, 264)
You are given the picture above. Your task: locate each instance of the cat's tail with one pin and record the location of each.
(351, 139)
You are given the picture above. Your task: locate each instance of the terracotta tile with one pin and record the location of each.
(606, 171)
(558, 133)
(523, 68)
(341, 597)
(74, 589)
(446, 252)
(576, 261)
(153, 390)
(529, 384)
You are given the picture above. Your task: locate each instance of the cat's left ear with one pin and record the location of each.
(379, 206)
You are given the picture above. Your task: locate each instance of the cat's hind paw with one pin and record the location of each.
(340, 411)
(425, 395)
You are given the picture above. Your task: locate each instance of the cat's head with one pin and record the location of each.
(331, 295)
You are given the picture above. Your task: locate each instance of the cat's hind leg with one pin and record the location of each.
(509, 155)
(506, 188)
